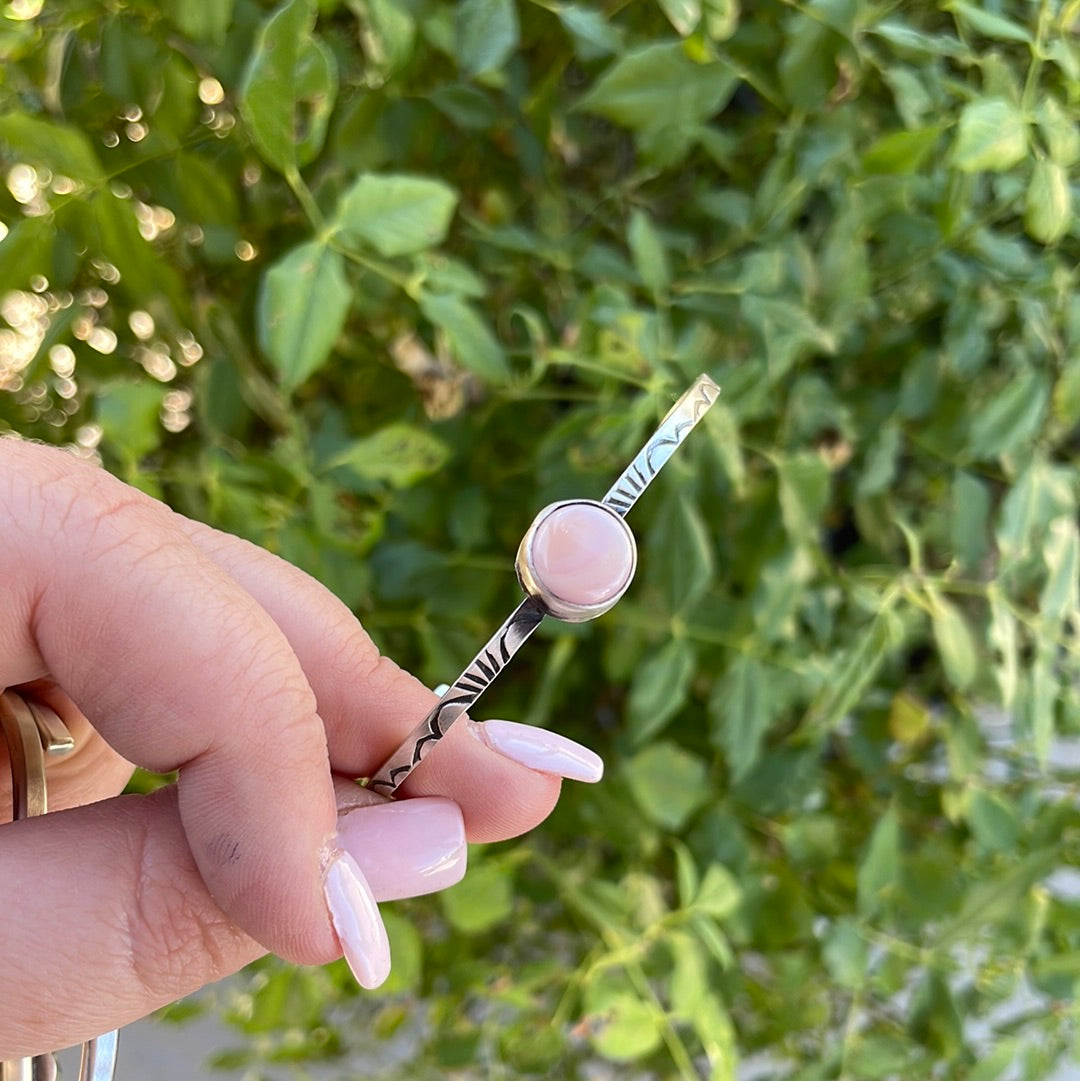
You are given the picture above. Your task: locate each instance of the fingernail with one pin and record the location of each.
(539, 749)
(406, 848)
(357, 921)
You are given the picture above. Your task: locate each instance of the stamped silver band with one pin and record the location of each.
(511, 636)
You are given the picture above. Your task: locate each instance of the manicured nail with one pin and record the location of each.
(357, 921)
(539, 749)
(406, 848)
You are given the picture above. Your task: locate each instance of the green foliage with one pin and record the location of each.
(372, 281)
(303, 304)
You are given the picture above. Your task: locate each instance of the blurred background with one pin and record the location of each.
(370, 282)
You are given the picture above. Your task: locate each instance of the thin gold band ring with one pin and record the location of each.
(33, 732)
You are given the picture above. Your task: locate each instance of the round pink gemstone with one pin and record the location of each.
(582, 554)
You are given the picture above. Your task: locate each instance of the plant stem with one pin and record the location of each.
(306, 200)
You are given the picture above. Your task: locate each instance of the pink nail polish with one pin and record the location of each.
(539, 749)
(407, 848)
(357, 921)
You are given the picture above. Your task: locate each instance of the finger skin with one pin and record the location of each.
(178, 668)
(106, 917)
(369, 704)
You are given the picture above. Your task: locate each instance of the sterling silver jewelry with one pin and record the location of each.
(32, 731)
(541, 600)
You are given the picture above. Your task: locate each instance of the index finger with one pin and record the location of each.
(179, 668)
(369, 704)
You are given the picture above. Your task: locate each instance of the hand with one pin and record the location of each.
(163, 643)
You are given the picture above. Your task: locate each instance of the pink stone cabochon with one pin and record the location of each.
(581, 553)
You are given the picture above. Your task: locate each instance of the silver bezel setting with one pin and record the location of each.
(553, 604)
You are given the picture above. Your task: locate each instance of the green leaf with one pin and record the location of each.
(853, 673)
(969, 525)
(881, 461)
(723, 433)
(303, 301)
(721, 18)
(689, 983)
(880, 867)
(628, 1029)
(391, 35)
(487, 34)
(63, 149)
(913, 100)
(593, 34)
(684, 553)
(1004, 1054)
(720, 893)
(955, 643)
(807, 64)
(1058, 130)
(668, 783)
(1041, 493)
(649, 86)
(741, 713)
(483, 899)
(804, 495)
(130, 418)
(1004, 641)
(781, 584)
(788, 332)
(910, 719)
(1048, 204)
(716, 1030)
(659, 689)
(686, 874)
(398, 455)
(964, 748)
(713, 939)
(987, 23)
(175, 89)
(110, 230)
(935, 1020)
(396, 215)
(997, 897)
(1011, 418)
(993, 822)
(647, 249)
(880, 1058)
(470, 339)
(1066, 402)
(907, 39)
(316, 93)
(684, 15)
(991, 135)
(26, 251)
(602, 903)
(845, 954)
(901, 151)
(407, 950)
(203, 20)
(1060, 597)
(289, 88)
(131, 60)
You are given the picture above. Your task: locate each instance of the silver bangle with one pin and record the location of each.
(32, 731)
(540, 600)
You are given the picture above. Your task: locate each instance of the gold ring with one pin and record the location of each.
(33, 732)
